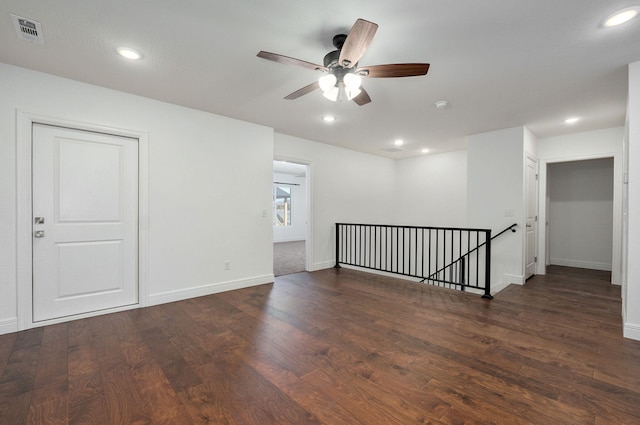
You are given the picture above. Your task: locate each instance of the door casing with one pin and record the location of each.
(531, 223)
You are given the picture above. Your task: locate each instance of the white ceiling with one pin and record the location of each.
(500, 63)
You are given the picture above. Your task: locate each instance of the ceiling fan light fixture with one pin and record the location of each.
(352, 81)
(352, 93)
(332, 94)
(327, 82)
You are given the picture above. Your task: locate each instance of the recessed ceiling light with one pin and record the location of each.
(425, 150)
(621, 16)
(441, 104)
(129, 53)
(398, 142)
(329, 118)
(571, 120)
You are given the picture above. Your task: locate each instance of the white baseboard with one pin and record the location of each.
(8, 326)
(631, 331)
(381, 273)
(499, 287)
(214, 288)
(323, 265)
(409, 278)
(507, 279)
(592, 265)
(512, 278)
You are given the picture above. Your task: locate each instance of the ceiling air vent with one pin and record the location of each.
(28, 29)
(392, 150)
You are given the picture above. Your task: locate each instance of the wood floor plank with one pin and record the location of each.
(87, 401)
(50, 400)
(20, 371)
(173, 365)
(339, 347)
(6, 347)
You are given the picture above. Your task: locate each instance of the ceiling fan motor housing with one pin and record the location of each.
(331, 59)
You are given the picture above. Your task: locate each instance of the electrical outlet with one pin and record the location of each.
(227, 264)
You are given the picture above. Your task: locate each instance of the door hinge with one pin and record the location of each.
(535, 259)
(537, 176)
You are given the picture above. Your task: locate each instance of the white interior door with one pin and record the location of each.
(531, 184)
(85, 224)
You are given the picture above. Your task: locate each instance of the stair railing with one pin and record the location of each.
(462, 262)
(456, 258)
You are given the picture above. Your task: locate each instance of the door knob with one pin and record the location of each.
(38, 234)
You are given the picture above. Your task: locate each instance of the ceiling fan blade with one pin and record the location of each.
(357, 42)
(394, 70)
(290, 61)
(363, 98)
(301, 92)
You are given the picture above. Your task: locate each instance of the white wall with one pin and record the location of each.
(495, 183)
(605, 143)
(345, 186)
(581, 213)
(209, 182)
(432, 190)
(298, 229)
(632, 278)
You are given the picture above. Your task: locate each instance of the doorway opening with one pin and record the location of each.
(290, 217)
(580, 214)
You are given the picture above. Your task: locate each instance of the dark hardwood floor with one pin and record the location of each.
(337, 347)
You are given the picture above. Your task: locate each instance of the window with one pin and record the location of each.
(281, 205)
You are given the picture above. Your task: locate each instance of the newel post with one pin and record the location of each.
(487, 268)
(337, 266)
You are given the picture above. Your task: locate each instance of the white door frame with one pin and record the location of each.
(617, 211)
(25, 121)
(308, 262)
(536, 184)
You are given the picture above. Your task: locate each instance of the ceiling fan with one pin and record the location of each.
(342, 76)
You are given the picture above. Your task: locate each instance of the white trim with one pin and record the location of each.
(290, 240)
(616, 259)
(8, 326)
(507, 279)
(381, 273)
(499, 287)
(308, 261)
(413, 279)
(536, 160)
(82, 315)
(208, 289)
(631, 331)
(581, 264)
(24, 124)
(512, 278)
(322, 265)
